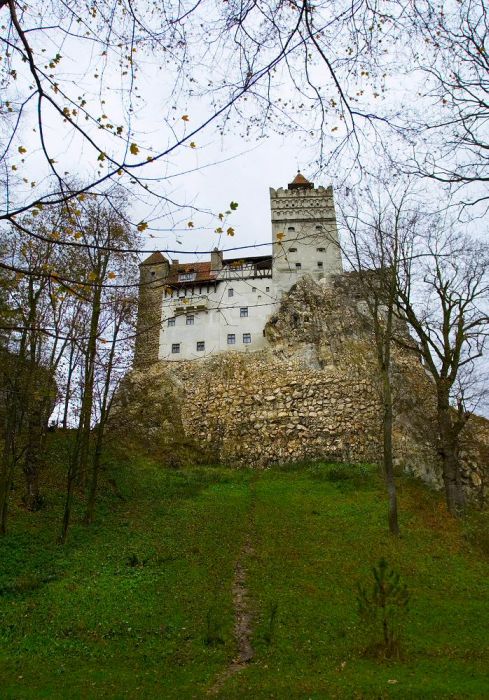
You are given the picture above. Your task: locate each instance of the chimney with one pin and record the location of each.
(216, 260)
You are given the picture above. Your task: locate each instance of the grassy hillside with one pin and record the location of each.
(141, 604)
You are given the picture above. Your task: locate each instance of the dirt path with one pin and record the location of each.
(242, 615)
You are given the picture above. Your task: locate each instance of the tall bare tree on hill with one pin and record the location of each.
(443, 293)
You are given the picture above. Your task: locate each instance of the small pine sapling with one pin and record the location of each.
(386, 604)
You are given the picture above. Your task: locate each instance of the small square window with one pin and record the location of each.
(171, 321)
(231, 339)
(321, 250)
(190, 320)
(200, 346)
(253, 289)
(175, 348)
(298, 266)
(243, 312)
(231, 292)
(246, 338)
(320, 264)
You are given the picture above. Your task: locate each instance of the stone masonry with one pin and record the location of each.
(312, 394)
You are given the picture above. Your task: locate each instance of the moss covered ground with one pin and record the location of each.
(140, 605)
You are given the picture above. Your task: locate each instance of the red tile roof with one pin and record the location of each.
(300, 181)
(154, 259)
(203, 271)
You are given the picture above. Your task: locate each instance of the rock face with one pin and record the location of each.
(313, 393)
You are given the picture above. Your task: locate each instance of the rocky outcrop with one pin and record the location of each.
(312, 394)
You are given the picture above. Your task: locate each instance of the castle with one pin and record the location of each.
(190, 311)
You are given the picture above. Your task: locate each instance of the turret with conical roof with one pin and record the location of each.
(300, 183)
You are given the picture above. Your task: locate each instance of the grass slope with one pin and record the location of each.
(140, 605)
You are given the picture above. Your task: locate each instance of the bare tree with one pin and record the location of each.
(104, 233)
(455, 70)
(377, 226)
(443, 293)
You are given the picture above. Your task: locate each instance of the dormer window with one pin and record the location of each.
(186, 276)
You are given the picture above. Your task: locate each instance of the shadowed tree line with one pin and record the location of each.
(65, 345)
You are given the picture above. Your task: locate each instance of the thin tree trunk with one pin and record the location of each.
(92, 493)
(449, 451)
(104, 411)
(71, 369)
(388, 455)
(79, 462)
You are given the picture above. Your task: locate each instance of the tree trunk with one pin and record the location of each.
(449, 452)
(71, 369)
(79, 462)
(388, 455)
(36, 432)
(92, 492)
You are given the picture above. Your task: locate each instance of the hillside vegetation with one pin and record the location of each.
(142, 604)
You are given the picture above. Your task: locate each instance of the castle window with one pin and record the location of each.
(319, 227)
(190, 320)
(292, 250)
(175, 348)
(171, 321)
(246, 338)
(291, 228)
(267, 289)
(200, 346)
(298, 266)
(153, 273)
(320, 264)
(243, 312)
(231, 339)
(230, 292)
(253, 289)
(321, 250)
(186, 276)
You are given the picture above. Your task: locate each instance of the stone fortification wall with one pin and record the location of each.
(312, 394)
(262, 408)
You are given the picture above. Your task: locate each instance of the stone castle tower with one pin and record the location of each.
(191, 310)
(304, 233)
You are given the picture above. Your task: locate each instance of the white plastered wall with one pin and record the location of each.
(220, 318)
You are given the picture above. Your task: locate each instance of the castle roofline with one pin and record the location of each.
(154, 259)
